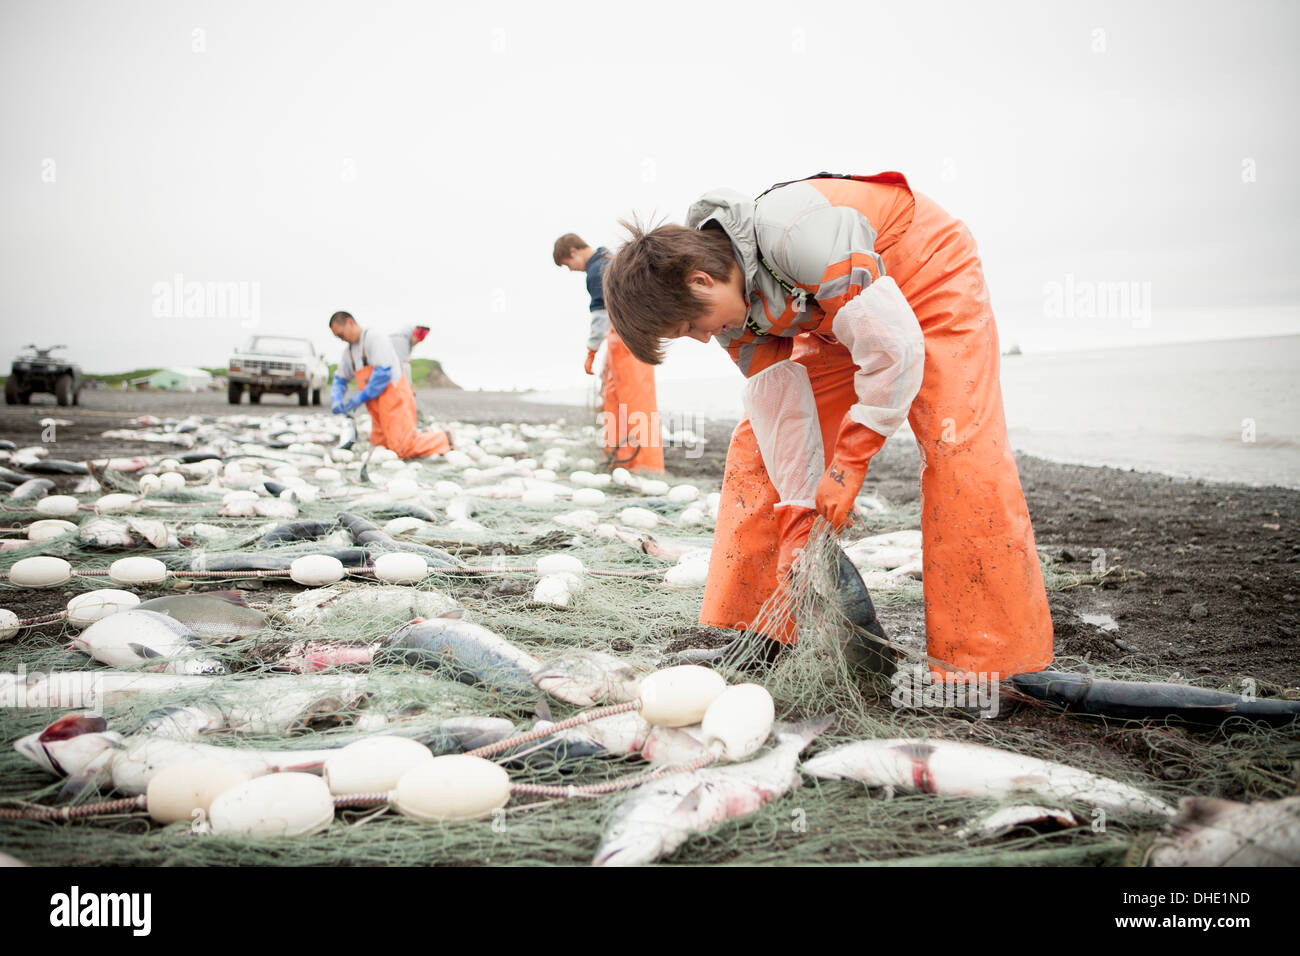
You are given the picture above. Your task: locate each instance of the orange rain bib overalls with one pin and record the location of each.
(392, 419)
(986, 606)
(630, 411)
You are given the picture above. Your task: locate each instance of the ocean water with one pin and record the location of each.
(1222, 411)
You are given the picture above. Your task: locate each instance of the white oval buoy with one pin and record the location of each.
(327, 476)
(374, 764)
(692, 516)
(116, 503)
(554, 590)
(276, 805)
(538, 496)
(638, 517)
(235, 497)
(381, 455)
(544, 474)
(176, 793)
(285, 471)
(446, 489)
(85, 609)
(316, 570)
(404, 524)
(740, 720)
(623, 478)
(457, 458)
(169, 464)
(48, 528)
(149, 484)
(400, 567)
(573, 582)
(588, 497)
(452, 787)
(8, 623)
(137, 571)
(403, 489)
(341, 455)
(679, 696)
(40, 572)
(57, 506)
(555, 563)
(653, 487)
(688, 574)
(683, 493)
(171, 481)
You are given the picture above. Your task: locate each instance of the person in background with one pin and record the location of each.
(403, 341)
(369, 357)
(630, 410)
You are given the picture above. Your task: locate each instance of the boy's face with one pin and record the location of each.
(574, 263)
(725, 306)
(348, 331)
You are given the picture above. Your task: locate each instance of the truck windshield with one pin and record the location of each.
(273, 345)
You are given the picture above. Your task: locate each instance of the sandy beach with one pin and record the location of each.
(1203, 577)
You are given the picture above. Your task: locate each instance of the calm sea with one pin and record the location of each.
(1225, 411)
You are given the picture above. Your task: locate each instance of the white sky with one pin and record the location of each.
(414, 162)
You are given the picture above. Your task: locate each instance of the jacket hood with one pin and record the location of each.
(734, 212)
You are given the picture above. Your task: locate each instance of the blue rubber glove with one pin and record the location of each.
(337, 391)
(338, 408)
(379, 380)
(352, 403)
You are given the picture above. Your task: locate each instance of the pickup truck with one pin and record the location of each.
(277, 364)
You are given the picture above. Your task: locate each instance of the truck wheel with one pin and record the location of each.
(254, 396)
(11, 391)
(315, 396)
(235, 392)
(63, 389)
(304, 395)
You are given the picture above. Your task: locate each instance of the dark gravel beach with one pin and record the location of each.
(1202, 579)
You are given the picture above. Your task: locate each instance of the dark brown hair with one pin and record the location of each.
(338, 318)
(645, 284)
(565, 245)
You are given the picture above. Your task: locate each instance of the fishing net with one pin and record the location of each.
(627, 609)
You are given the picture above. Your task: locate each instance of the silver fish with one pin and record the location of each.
(1213, 832)
(133, 637)
(658, 817)
(586, 678)
(973, 770)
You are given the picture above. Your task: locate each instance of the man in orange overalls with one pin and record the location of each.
(369, 357)
(630, 410)
(850, 304)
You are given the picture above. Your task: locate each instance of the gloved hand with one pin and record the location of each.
(591, 357)
(338, 408)
(842, 480)
(794, 523)
(352, 403)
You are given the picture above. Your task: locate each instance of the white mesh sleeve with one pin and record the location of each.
(781, 408)
(882, 333)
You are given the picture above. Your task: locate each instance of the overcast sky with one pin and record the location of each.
(414, 162)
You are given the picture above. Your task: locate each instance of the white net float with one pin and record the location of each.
(137, 571)
(739, 720)
(554, 590)
(276, 805)
(57, 506)
(452, 787)
(116, 503)
(638, 518)
(43, 571)
(401, 567)
(48, 528)
(184, 792)
(372, 765)
(556, 563)
(679, 696)
(8, 623)
(316, 570)
(683, 493)
(85, 609)
(588, 497)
